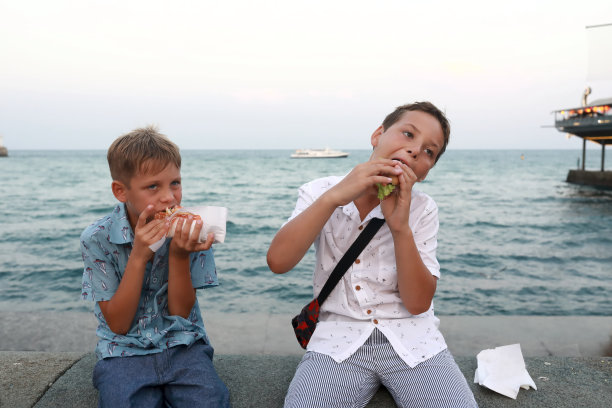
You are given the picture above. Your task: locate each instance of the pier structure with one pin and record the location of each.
(591, 122)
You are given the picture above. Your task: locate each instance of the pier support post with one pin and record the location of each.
(583, 152)
(603, 156)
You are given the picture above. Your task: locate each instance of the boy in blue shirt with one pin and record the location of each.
(152, 349)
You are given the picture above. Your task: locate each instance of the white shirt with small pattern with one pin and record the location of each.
(367, 297)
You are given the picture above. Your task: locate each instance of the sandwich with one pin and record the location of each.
(385, 190)
(215, 222)
(175, 212)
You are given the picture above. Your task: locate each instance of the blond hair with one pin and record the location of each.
(141, 151)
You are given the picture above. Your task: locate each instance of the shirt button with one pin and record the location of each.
(375, 321)
(369, 311)
(357, 287)
(149, 335)
(357, 261)
(360, 227)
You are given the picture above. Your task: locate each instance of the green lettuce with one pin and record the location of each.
(384, 191)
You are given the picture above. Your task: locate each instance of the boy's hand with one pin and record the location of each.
(148, 233)
(363, 178)
(183, 243)
(396, 206)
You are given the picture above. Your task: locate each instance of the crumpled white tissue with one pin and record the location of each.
(214, 220)
(502, 370)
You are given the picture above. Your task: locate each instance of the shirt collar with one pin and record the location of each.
(120, 230)
(351, 211)
(375, 213)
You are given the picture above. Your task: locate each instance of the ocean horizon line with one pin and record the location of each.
(295, 148)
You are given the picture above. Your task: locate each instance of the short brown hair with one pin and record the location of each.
(141, 151)
(426, 107)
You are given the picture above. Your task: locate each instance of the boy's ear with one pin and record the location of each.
(376, 135)
(119, 191)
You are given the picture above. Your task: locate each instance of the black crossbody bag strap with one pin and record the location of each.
(349, 257)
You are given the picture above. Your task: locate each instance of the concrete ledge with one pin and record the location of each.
(26, 376)
(262, 380)
(564, 336)
(590, 178)
(561, 353)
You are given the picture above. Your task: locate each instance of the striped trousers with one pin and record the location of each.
(320, 382)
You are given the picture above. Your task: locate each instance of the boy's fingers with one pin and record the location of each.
(178, 231)
(208, 243)
(383, 160)
(187, 231)
(203, 246)
(388, 169)
(411, 175)
(197, 227)
(405, 171)
(153, 231)
(387, 164)
(381, 179)
(144, 215)
(162, 229)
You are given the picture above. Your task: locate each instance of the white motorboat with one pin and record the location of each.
(326, 153)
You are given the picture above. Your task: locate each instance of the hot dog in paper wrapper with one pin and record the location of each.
(213, 218)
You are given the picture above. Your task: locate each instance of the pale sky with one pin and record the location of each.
(290, 74)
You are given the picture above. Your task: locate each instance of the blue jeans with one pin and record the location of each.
(180, 376)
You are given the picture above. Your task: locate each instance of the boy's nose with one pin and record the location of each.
(167, 196)
(413, 153)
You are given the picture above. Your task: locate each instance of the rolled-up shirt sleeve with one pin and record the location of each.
(203, 270)
(310, 192)
(304, 200)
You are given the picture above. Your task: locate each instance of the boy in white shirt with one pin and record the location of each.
(377, 325)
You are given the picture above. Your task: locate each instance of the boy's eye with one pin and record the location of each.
(152, 187)
(429, 152)
(408, 134)
(176, 183)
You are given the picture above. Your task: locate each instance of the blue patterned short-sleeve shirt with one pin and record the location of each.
(106, 246)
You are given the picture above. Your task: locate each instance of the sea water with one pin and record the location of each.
(515, 238)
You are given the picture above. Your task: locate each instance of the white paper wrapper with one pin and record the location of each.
(502, 370)
(214, 219)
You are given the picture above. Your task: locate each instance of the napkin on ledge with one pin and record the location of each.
(214, 219)
(502, 370)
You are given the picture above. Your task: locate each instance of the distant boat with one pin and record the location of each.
(326, 153)
(3, 150)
